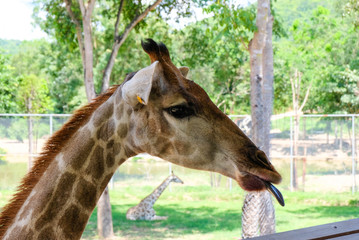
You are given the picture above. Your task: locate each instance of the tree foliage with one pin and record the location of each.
(22, 80)
(8, 86)
(315, 48)
(313, 37)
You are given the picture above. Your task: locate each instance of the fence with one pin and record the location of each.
(313, 152)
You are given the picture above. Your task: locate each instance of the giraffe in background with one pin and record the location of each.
(144, 210)
(156, 110)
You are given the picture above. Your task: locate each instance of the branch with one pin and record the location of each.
(90, 7)
(293, 92)
(244, 43)
(219, 95)
(119, 41)
(136, 20)
(299, 83)
(82, 7)
(221, 103)
(306, 97)
(68, 4)
(118, 19)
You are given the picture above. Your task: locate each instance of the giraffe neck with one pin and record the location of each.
(61, 202)
(152, 198)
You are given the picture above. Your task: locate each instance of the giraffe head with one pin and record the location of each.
(174, 178)
(173, 118)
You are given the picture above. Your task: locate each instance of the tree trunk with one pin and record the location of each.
(88, 53)
(104, 216)
(258, 211)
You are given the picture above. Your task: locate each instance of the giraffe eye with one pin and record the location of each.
(180, 111)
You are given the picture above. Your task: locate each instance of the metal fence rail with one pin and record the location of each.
(306, 151)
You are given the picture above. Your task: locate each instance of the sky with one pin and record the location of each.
(16, 21)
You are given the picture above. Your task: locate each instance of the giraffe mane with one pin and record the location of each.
(52, 147)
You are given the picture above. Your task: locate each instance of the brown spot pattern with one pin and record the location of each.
(110, 160)
(129, 111)
(96, 166)
(184, 148)
(122, 160)
(85, 193)
(110, 144)
(119, 111)
(78, 155)
(122, 130)
(116, 149)
(161, 143)
(129, 152)
(106, 130)
(105, 181)
(119, 97)
(47, 234)
(73, 222)
(103, 113)
(61, 196)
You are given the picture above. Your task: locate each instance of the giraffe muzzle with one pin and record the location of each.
(275, 192)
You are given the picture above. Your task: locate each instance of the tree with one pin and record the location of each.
(260, 218)
(323, 49)
(33, 98)
(350, 8)
(216, 61)
(63, 71)
(8, 86)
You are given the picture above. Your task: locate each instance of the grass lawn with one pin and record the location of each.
(207, 213)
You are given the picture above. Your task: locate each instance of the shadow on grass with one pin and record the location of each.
(321, 214)
(181, 220)
(329, 211)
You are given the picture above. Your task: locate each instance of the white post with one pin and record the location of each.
(291, 154)
(353, 156)
(170, 172)
(51, 128)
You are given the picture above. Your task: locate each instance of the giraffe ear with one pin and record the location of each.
(184, 71)
(138, 89)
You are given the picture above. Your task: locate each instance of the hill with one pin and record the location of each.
(9, 46)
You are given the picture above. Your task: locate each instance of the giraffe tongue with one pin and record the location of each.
(275, 192)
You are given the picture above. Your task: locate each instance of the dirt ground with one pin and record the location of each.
(17, 151)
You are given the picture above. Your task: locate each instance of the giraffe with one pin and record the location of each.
(144, 210)
(156, 110)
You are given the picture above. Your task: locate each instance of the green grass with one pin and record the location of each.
(11, 174)
(210, 213)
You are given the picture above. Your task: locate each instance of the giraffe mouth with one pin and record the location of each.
(251, 182)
